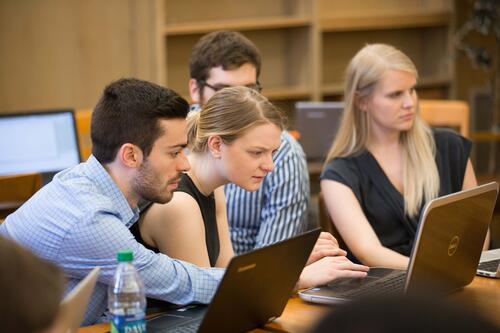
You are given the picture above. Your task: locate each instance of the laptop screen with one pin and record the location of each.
(38, 142)
(317, 123)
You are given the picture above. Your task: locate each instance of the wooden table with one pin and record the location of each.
(482, 294)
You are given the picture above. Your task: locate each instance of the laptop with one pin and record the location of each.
(489, 264)
(253, 291)
(74, 305)
(444, 257)
(42, 142)
(317, 123)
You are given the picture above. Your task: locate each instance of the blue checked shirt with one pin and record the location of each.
(81, 219)
(278, 210)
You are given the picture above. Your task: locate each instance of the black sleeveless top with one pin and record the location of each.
(382, 203)
(207, 208)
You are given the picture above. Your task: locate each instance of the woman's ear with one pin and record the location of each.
(214, 144)
(361, 102)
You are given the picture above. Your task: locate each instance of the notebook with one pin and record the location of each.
(444, 257)
(74, 305)
(253, 291)
(489, 265)
(317, 123)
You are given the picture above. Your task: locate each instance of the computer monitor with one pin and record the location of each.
(42, 142)
(317, 123)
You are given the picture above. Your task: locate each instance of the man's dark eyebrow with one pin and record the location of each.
(181, 145)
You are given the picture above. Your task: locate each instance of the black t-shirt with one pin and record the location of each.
(382, 203)
(207, 207)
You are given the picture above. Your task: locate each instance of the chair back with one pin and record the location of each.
(446, 113)
(82, 118)
(15, 190)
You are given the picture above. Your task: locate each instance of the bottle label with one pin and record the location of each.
(128, 323)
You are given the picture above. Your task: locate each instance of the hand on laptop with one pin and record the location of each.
(328, 269)
(325, 246)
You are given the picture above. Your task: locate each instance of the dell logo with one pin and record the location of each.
(453, 246)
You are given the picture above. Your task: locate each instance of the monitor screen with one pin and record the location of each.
(317, 123)
(38, 142)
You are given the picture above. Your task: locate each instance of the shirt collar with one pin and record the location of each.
(107, 185)
(195, 107)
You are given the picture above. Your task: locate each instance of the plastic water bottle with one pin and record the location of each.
(126, 297)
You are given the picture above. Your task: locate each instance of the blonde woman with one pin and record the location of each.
(385, 162)
(232, 139)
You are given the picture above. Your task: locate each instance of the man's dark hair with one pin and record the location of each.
(31, 290)
(128, 112)
(228, 49)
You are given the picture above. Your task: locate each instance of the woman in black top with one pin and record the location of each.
(231, 139)
(385, 162)
(206, 204)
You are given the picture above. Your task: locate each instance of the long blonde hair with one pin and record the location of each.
(229, 113)
(420, 174)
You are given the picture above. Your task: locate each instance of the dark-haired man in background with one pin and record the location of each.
(82, 218)
(278, 210)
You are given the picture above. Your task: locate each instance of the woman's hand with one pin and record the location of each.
(328, 269)
(325, 246)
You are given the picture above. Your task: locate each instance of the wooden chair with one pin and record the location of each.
(446, 113)
(82, 118)
(326, 222)
(15, 190)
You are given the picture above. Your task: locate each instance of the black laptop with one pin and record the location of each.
(253, 291)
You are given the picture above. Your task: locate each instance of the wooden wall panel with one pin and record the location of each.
(60, 53)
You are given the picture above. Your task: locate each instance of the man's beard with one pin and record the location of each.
(149, 187)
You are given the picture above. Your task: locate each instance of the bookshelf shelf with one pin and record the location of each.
(277, 22)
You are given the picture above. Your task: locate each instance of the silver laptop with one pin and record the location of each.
(489, 265)
(317, 123)
(74, 305)
(444, 257)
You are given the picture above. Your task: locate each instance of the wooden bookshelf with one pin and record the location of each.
(332, 88)
(427, 47)
(306, 44)
(280, 93)
(277, 22)
(392, 20)
(485, 136)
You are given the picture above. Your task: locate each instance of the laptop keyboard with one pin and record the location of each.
(490, 266)
(389, 285)
(191, 327)
(173, 323)
(187, 327)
